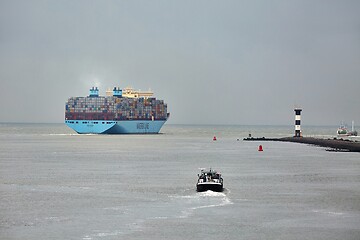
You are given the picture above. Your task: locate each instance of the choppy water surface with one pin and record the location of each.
(55, 184)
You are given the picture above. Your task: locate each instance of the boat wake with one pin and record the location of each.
(180, 206)
(201, 200)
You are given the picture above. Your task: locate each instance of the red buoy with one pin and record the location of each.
(260, 148)
(214, 139)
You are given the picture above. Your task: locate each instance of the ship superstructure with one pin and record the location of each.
(125, 111)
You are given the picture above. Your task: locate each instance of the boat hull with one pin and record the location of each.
(209, 186)
(115, 127)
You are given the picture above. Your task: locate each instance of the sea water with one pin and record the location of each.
(56, 184)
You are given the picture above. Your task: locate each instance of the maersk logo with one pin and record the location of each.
(142, 126)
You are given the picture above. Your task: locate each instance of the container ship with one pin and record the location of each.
(121, 111)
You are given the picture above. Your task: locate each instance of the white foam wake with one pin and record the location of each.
(211, 194)
(201, 200)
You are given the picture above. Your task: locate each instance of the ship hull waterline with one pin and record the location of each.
(115, 127)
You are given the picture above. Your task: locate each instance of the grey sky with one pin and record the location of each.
(213, 62)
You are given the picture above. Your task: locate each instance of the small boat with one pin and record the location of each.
(343, 131)
(209, 180)
(353, 131)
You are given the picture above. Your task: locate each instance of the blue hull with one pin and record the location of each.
(116, 127)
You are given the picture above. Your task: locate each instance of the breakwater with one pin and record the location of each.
(334, 144)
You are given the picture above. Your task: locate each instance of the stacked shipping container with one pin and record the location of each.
(115, 108)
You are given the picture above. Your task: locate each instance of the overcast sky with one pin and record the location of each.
(213, 62)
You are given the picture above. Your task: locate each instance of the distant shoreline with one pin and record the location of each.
(339, 145)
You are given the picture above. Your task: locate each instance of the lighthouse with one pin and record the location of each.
(297, 122)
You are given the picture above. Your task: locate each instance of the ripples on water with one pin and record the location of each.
(56, 184)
